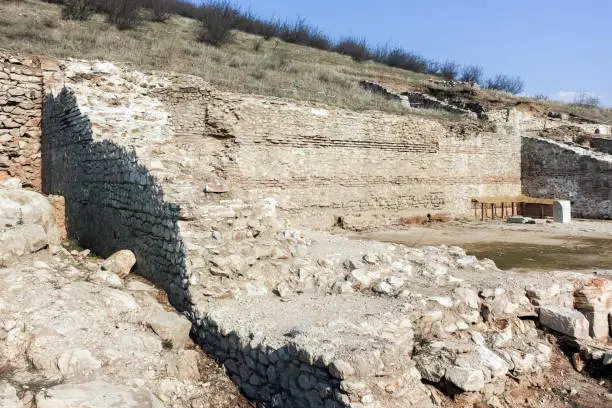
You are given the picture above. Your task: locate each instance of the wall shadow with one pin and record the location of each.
(112, 201)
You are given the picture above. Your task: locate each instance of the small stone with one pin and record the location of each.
(467, 379)
(341, 369)
(171, 327)
(119, 263)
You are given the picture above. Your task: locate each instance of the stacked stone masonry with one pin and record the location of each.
(20, 114)
(112, 202)
(555, 170)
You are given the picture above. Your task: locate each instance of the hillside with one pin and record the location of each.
(249, 64)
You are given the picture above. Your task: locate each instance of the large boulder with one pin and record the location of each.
(171, 328)
(28, 223)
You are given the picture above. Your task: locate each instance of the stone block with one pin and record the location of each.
(562, 211)
(171, 327)
(565, 320)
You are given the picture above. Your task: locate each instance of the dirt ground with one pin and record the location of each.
(580, 245)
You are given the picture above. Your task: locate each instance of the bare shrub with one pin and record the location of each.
(587, 100)
(217, 21)
(541, 97)
(356, 48)
(472, 73)
(124, 14)
(403, 59)
(449, 70)
(77, 10)
(506, 83)
(160, 9)
(303, 34)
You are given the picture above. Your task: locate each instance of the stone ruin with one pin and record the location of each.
(301, 318)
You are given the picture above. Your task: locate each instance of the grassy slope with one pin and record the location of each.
(276, 68)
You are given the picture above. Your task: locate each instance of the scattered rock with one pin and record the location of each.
(171, 327)
(565, 320)
(120, 263)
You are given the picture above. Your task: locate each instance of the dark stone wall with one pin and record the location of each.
(112, 202)
(550, 170)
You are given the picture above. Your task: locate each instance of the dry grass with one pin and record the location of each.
(248, 64)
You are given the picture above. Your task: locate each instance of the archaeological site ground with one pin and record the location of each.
(183, 225)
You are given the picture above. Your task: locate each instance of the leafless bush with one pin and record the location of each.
(449, 70)
(77, 9)
(356, 48)
(472, 73)
(586, 99)
(505, 83)
(124, 14)
(160, 9)
(217, 20)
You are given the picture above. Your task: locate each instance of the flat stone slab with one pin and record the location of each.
(565, 320)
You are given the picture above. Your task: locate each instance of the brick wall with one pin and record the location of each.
(555, 170)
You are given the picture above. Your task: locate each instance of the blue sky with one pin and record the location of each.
(558, 47)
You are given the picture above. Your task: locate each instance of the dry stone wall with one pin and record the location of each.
(20, 114)
(112, 202)
(601, 145)
(556, 170)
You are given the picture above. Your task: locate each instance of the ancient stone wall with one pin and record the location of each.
(601, 144)
(20, 113)
(369, 168)
(112, 202)
(555, 170)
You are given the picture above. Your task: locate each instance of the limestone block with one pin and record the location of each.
(96, 394)
(171, 327)
(119, 263)
(562, 211)
(183, 365)
(565, 320)
(8, 396)
(77, 361)
(467, 379)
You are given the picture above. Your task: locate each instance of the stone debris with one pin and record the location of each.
(120, 263)
(68, 342)
(565, 320)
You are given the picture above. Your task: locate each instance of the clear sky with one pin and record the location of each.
(558, 47)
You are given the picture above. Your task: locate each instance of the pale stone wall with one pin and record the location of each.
(322, 164)
(555, 170)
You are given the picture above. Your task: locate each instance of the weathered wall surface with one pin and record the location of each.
(112, 202)
(601, 145)
(329, 163)
(20, 114)
(322, 164)
(555, 170)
